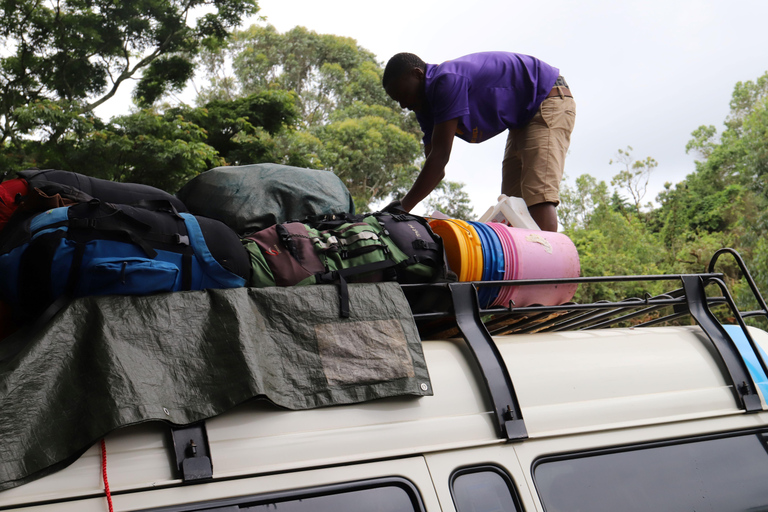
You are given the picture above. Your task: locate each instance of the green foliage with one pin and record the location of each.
(721, 204)
(82, 51)
(346, 123)
(147, 147)
(634, 177)
(370, 155)
(578, 204)
(242, 131)
(754, 136)
(451, 199)
(610, 242)
(327, 72)
(163, 149)
(64, 59)
(163, 75)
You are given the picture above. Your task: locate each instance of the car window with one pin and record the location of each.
(377, 499)
(392, 494)
(484, 489)
(722, 473)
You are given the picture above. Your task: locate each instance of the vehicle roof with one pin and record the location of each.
(566, 383)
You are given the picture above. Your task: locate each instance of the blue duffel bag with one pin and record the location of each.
(98, 248)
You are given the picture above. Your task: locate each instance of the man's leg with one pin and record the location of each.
(512, 166)
(545, 215)
(542, 145)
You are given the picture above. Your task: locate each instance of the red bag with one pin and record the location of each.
(11, 192)
(289, 251)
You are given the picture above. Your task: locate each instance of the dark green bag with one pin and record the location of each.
(250, 198)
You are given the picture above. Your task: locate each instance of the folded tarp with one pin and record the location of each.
(109, 362)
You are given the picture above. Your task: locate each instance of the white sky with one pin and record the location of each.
(644, 73)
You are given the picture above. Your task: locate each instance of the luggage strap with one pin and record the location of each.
(420, 244)
(339, 276)
(158, 205)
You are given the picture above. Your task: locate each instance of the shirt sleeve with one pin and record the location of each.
(450, 97)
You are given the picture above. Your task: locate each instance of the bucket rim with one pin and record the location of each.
(468, 245)
(493, 262)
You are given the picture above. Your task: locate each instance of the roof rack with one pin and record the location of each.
(451, 309)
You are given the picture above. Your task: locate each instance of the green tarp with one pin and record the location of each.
(108, 362)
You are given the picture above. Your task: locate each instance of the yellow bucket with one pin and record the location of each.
(463, 248)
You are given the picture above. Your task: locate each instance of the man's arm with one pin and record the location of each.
(438, 154)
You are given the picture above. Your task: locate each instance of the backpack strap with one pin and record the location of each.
(421, 244)
(340, 277)
(157, 205)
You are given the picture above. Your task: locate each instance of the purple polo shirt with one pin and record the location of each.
(488, 92)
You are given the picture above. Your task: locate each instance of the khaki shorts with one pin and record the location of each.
(535, 154)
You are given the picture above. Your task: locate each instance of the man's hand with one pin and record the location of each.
(395, 207)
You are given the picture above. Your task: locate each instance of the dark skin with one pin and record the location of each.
(408, 91)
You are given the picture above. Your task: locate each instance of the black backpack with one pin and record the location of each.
(81, 189)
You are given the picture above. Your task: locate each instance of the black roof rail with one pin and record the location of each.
(452, 309)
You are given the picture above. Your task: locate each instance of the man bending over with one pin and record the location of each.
(478, 96)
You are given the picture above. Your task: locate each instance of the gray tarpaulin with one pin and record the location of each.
(108, 362)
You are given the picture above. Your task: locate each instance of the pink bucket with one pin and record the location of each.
(531, 254)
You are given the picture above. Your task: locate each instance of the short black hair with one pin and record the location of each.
(399, 64)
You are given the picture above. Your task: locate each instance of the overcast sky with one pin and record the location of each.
(643, 73)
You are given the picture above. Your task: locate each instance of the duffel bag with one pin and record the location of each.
(296, 254)
(80, 188)
(250, 198)
(97, 248)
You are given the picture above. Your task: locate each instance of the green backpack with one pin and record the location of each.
(342, 249)
(399, 248)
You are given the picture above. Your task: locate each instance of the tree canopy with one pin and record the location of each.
(298, 98)
(346, 122)
(64, 59)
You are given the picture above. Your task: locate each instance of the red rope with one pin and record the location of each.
(104, 474)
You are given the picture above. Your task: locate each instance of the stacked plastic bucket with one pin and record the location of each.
(493, 251)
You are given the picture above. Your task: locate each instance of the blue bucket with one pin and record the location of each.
(493, 262)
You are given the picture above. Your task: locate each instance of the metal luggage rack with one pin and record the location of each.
(444, 310)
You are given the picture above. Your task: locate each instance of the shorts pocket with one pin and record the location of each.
(559, 113)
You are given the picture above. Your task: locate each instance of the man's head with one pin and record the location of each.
(403, 80)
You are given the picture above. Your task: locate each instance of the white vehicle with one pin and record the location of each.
(567, 412)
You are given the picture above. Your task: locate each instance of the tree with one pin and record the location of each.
(327, 72)
(451, 199)
(166, 148)
(243, 131)
(722, 203)
(346, 122)
(64, 59)
(635, 175)
(612, 243)
(577, 205)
